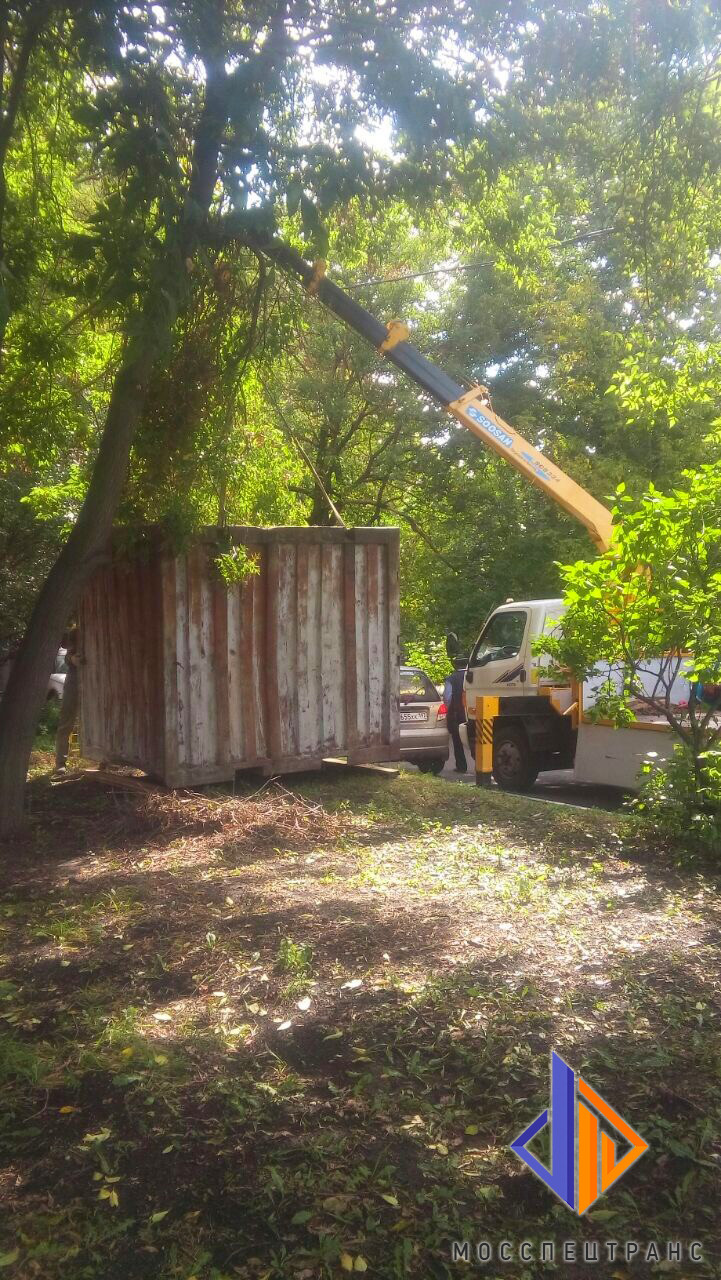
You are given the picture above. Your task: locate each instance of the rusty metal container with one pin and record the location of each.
(191, 680)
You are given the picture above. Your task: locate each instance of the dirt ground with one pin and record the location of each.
(291, 1032)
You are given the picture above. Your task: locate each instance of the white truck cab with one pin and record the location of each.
(502, 661)
(533, 721)
(530, 723)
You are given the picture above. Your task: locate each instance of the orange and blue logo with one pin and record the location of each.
(576, 1130)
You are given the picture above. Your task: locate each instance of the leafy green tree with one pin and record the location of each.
(357, 428)
(590, 300)
(27, 549)
(155, 366)
(207, 450)
(648, 612)
(203, 126)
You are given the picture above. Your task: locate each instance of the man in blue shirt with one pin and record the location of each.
(455, 712)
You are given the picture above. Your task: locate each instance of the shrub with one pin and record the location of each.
(48, 726)
(681, 799)
(647, 614)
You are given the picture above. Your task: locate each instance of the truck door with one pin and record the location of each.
(497, 664)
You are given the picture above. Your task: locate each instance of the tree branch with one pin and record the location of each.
(414, 525)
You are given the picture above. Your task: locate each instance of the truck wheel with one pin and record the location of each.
(431, 766)
(514, 767)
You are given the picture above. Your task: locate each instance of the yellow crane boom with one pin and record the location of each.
(471, 406)
(474, 411)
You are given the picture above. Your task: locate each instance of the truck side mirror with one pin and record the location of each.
(453, 645)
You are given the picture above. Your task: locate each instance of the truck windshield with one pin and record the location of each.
(502, 637)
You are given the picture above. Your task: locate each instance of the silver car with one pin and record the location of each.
(56, 683)
(424, 736)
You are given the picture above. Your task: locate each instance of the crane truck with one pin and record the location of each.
(520, 720)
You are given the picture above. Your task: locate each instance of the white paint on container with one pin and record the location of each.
(192, 680)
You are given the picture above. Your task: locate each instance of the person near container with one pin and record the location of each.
(455, 712)
(69, 701)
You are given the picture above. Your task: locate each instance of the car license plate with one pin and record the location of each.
(411, 717)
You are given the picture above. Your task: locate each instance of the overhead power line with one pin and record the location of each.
(467, 266)
(417, 275)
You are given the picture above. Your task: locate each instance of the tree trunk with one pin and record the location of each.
(24, 696)
(26, 691)
(320, 512)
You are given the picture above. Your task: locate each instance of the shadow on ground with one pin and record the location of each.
(231, 1049)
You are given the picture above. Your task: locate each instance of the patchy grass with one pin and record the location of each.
(291, 1033)
(48, 727)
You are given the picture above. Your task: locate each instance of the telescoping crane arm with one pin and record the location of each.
(471, 407)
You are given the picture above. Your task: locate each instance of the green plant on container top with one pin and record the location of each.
(236, 564)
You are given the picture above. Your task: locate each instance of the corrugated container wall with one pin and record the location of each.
(190, 679)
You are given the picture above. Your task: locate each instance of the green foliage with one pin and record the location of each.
(649, 612)
(118, 238)
(431, 657)
(583, 195)
(294, 958)
(656, 592)
(594, 345)
(48, 726)
(27, 549)
(681, 800)
(236, 565)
